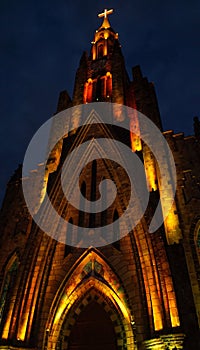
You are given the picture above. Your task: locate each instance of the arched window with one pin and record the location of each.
(103, 87)
(108, 84)
(88, 91)
(99, 92)
(8, 283)
(100, 50)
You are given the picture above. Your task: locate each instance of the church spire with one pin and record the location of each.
(104, 37)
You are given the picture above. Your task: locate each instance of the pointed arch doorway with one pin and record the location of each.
(90, 310)
(93, 330)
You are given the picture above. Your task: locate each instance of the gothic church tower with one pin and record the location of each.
(141, 291)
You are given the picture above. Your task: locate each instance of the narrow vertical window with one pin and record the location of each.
(99, 90)
(89, 91)
(116, 233)
(81, 212)
(108, 85)
(69, 238)
(93, 190)
(100, 50)
(94, 180)
(104, 195)
(81, 220)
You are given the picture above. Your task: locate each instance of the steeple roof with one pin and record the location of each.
(105, 30)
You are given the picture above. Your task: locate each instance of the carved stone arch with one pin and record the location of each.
(90, 276)
(95, 294)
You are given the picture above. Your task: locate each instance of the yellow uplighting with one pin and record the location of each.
(172, 229)
(67, 300)
(136, 144)
(6, 330)
(22, 331)
(74, 291)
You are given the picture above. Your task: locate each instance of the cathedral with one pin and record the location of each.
(135, 291)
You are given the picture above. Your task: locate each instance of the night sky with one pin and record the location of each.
(41, 43)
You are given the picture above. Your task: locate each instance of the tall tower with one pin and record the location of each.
(139, 292)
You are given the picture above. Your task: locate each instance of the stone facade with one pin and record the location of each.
(148, 284)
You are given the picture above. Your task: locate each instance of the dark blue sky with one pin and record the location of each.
(41, 43)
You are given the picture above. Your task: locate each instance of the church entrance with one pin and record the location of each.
(91, 311)
(93, 330)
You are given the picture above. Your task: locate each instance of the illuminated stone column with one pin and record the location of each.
(166, 185)
(150, 168)
(171, 223)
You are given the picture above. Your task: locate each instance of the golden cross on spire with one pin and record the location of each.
(105, 13)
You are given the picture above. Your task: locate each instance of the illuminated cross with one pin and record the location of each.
(105, 13)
